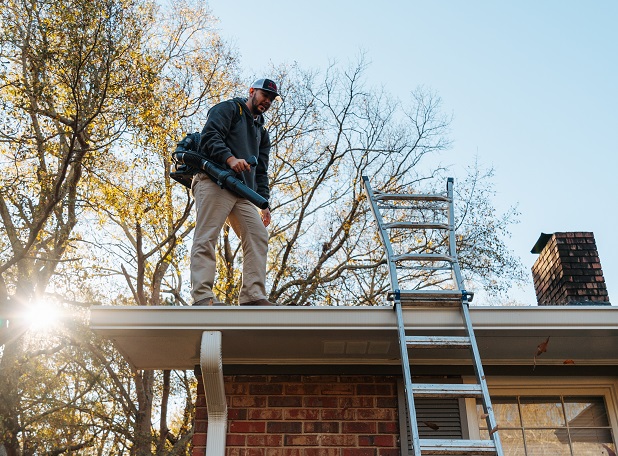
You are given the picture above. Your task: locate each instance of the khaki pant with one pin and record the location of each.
(216, 206)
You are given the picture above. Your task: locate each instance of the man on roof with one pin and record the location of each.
(234, 132)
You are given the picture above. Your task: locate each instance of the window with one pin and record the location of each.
(551, 425)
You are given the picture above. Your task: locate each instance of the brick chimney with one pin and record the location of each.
(568, 270)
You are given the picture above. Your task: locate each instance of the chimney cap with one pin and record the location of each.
(541, 243)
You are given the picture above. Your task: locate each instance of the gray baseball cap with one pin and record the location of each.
(266, 84)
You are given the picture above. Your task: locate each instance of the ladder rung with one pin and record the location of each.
(410, 295)
(432, 293)
(433, 298)
(413, 207)
(421, 298)
(457, 447)
(408, 197)
(423, 257)
(418, 226)
(447, 390)
(424, 268)
(437, 342)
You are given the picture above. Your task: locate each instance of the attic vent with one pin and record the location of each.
(355, 347)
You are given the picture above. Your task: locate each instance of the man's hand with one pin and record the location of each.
(238, 165)
(265, 213)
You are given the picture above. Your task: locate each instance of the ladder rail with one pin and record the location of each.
(465, 310)
(492, 425)
(452, 240)
(403, 348)
(392, 269)
(407, 380)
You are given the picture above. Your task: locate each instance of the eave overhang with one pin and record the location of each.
(169, 337)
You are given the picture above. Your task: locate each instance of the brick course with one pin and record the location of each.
(296, 415)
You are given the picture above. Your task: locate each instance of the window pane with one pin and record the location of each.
(542, 411)
(512, 443)
(592, 442)
(544, 442)
(592, 449)
(585, 411)
(505, 412)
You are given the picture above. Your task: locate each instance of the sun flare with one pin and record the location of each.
(42, 316)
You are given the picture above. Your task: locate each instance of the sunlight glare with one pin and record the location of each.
(42, 316)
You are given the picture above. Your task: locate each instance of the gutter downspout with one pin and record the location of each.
(214, 389)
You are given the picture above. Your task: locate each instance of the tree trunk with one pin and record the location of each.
(143, 421)
(9, 393)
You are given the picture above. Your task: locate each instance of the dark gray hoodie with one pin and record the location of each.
(231, 130)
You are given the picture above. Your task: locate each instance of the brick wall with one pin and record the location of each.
(568, 271)
(300, 415)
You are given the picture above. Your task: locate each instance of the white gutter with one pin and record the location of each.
(216, 405)
(130, 318)
(166, 337)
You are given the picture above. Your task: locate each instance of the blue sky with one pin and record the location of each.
(532, 86)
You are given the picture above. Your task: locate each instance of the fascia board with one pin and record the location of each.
(168, 337)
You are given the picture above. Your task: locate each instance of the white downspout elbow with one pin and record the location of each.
(216, 405)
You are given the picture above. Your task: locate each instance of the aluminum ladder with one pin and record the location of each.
(427, 261)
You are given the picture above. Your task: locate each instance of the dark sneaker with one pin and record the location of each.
(258, 302)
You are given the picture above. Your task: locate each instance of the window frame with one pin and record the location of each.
(606, 387)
